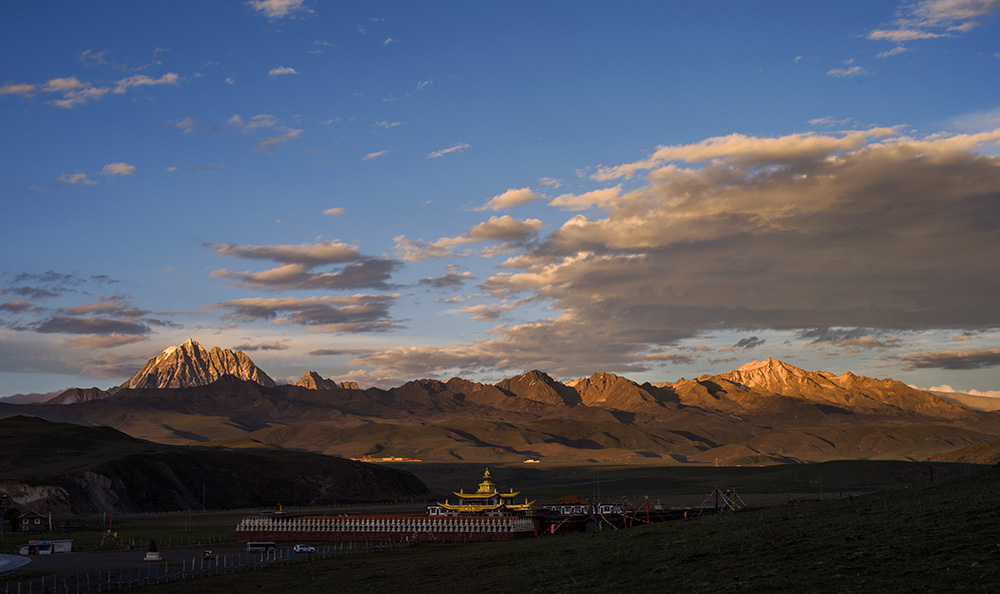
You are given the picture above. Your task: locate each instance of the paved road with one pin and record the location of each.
(9, 562)
(81, 563)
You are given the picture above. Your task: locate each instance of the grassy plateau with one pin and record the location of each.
(928, 537)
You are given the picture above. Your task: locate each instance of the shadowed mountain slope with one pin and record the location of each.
(88, 469)
(538, 386)
(74, 395)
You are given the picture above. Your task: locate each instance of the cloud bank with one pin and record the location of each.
(844, 238)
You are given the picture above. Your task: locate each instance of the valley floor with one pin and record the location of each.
(924, 537)
(931, 538)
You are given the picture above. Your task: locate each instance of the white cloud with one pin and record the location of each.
(813, 235)
(320, 252)
(486, 312)
(277, 9)
(424, 84)
(371, 273)
(603, 198)
(263, 120)
(748, 150)
(456, 148)
(296, 264)
(564, 346)
(348, 314)
(898, 35)
(506, 229)
(780, 242)
(270, 144)
(186, 125)
(893, 52)
(387, 124)
(141, 80)
(931, 19)
(12, 88)
(74, 91)
(75, 179)
(767, 235)
(91, 58)
(375, 155)
(511, 198)
(118, 169)
(335, 212)
(281, 70)
(849, 72)
(984, 393)
(64, 84)
(829, 121)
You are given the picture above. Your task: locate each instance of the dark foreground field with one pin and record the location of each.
(940, 537)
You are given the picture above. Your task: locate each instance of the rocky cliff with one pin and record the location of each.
(191, 365)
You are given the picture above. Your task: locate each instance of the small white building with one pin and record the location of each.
(45, 547)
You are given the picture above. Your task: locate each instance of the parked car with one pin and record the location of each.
(208, 555)
(301, 548)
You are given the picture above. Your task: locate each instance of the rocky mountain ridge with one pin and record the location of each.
(752, 386)
(190, 365)
(764, 412)
(314, 381)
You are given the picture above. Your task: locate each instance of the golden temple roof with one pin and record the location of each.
(480, 500)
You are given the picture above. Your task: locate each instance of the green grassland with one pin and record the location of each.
(687, 485)
(173, 529)
(669, 485)
(931, 537)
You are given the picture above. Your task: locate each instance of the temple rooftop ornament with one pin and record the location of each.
(487, 500)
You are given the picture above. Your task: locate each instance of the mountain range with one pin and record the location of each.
(763, 412)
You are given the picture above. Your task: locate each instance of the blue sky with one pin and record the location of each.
(383, 191)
